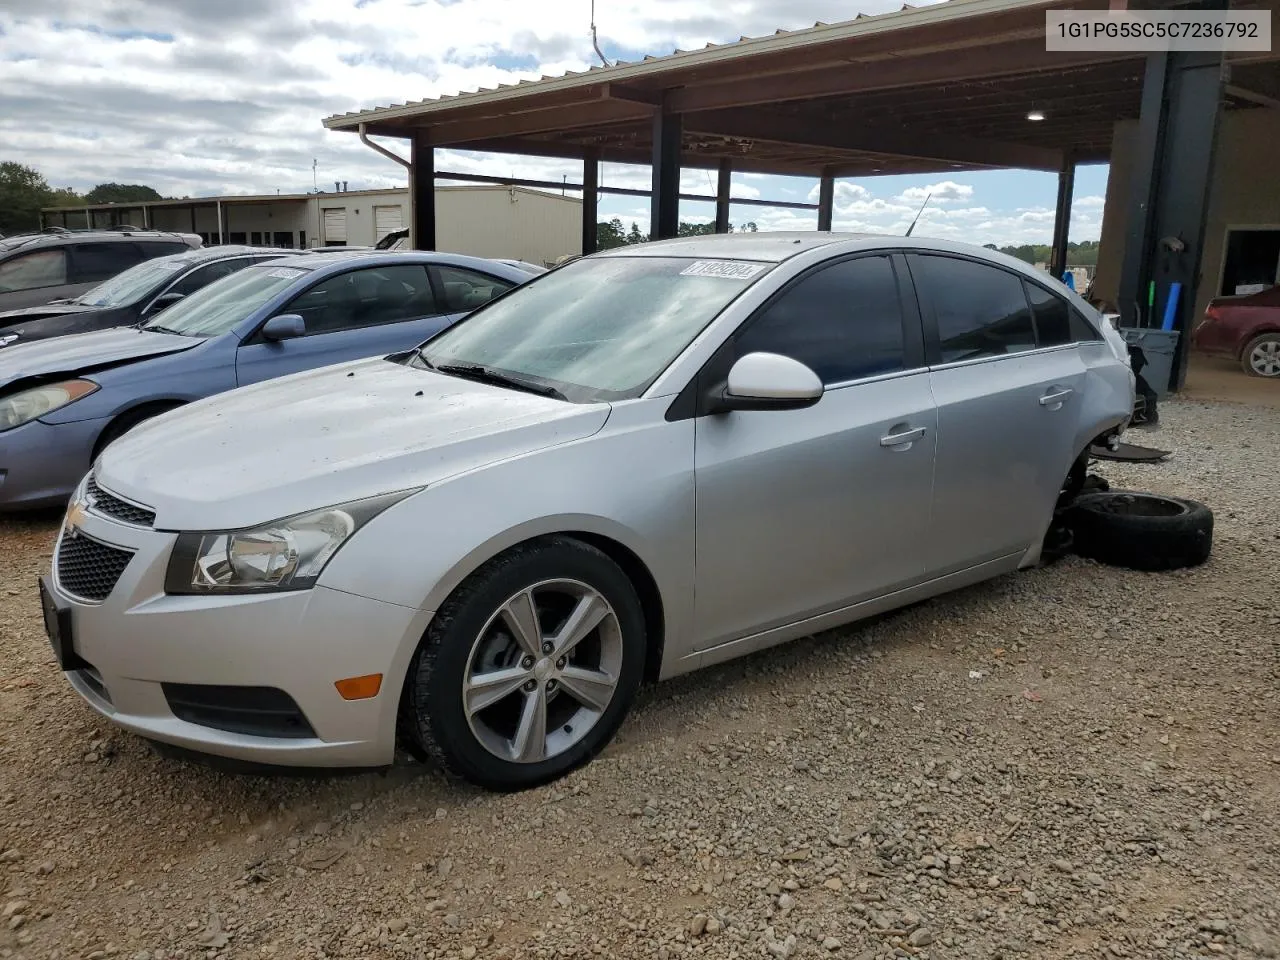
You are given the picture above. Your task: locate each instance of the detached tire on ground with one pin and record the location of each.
(1141, 531)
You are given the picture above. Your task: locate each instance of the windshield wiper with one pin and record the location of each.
(159, 329)
(474, 371)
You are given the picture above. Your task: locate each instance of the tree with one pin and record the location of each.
(23, 191)
(121, 193)
(610, 234)
(634, 235)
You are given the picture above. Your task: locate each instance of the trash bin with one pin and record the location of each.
(1159, 347)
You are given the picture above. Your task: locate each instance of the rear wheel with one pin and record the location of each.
(1261, 358)
(528, 668)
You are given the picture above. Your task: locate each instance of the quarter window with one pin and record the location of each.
(844, 322)
(981, 311)
(1053, 325)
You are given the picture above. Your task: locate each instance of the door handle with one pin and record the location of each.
(1049, 399)
(898, 439)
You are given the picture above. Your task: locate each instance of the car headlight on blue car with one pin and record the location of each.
(287, 554)
(33, 403)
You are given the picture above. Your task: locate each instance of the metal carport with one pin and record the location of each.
(943, 88)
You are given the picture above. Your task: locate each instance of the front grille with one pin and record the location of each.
(255, 711)
(88, 569)
(112, 506)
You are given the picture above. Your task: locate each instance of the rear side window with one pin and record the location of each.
(161, 248)
(1082, 330)
(981, 311)
(464, 290)
(205, 275)
(91, 262)
(30, 271)
(844, 322)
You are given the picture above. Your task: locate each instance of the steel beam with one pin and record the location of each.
(826, 200)
(1169, 193)
(590, 203)
(723, 180)
(664, 218)
(422, 192)
(1062, 218)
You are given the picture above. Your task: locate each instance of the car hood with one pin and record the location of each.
(12, 318)
(325, 437)
(86, 352)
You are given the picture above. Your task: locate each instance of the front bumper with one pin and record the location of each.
(41, 463)
(138, 641)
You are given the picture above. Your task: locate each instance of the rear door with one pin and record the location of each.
(361, 313)
(95, 262)
(1007, 411)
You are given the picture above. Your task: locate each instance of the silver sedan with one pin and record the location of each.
(640, 463)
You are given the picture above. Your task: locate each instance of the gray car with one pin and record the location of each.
(56, 264)
(640, 463)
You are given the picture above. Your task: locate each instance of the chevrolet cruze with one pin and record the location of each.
(640, 463)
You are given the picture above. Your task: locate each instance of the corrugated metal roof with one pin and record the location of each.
(819, 33)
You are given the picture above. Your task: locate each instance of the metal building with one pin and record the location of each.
(501, 221)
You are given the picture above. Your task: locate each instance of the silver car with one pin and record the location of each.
(640, 463)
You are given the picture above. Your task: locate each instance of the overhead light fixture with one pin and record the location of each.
(1035, 115)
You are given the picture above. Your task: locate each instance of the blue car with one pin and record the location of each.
(64, 399)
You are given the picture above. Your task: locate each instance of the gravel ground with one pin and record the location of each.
(1072, 761)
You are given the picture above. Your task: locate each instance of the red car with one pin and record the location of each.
(1247, 329)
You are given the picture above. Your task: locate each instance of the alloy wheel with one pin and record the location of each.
(1264, 358)
(542, 671)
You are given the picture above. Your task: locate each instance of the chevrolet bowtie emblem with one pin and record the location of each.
(75, 518)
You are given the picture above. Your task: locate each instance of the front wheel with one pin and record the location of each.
(529, 667)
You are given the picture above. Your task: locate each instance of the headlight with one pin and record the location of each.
(287, 554)
(20, 408)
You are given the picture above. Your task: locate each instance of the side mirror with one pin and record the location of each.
(769, 381)
(164, 300)
(284, 327)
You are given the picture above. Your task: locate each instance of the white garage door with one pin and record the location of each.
(386, 220)
(335, 226)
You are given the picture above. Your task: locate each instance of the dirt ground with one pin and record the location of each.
(1074, 761)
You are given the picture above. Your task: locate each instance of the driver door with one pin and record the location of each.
(802, 512)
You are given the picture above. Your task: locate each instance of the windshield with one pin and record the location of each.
(596, 329)
(133, 284)
(214, 310)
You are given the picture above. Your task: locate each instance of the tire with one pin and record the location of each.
(1141, 531)
(470, 637)
(1261, 358)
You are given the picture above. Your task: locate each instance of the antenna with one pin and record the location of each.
(594, 42)
(922, 206)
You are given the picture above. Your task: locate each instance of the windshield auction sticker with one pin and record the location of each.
(285, 273)
(732, 269)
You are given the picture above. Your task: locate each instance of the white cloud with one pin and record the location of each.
(947, 191)
(1088, 203)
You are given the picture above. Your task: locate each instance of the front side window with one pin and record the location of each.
(205, 275)
(365, 298)
(99, 261)
(981, 311)
(216, 309)
(41, 268)
(844, 322)
(598, 328)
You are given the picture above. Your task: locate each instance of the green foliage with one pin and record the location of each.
(23, 191)
(1078, 254)
(121, 193)
(610, 233)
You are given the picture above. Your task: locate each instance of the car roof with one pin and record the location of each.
(36, 240)
(224, 251)
(773, 247)
(340, 256)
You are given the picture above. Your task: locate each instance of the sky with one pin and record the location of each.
(218, 97)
